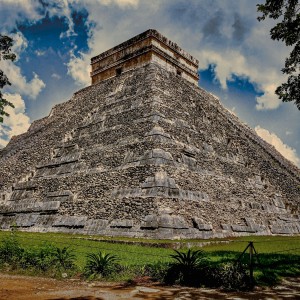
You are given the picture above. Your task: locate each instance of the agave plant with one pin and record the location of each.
(64, 257)
(187, 267)
(100, 264)
(192, 259)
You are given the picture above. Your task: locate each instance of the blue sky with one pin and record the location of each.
(238, 62)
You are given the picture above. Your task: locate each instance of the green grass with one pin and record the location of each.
(279, 256)
(262, 244)
(127, 254)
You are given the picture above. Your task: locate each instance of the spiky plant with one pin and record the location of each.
(186, 269)
(64, 257)
(192, 259)
(100, 263)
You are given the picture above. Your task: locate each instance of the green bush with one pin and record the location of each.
(10, 251)
(45, 257)
(100, 264)
(268, 277)
(157, 271)
(234, 276)
(187, 268)
(64, 258)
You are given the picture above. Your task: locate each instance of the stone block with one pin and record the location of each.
(29, 185)
(161, 179)
(189, 151)
(70, 221)
(278, 201)
(226, 227)
(255, 205)
(33, 206)
(121, 224)
(281, 229)
(175, 222)
(179, 223)
(242, 228)
(71, 158)
(150, 222)
(26, 220)
(165, 221)
(95, 225)
(199, 224)
(158, 131)
(189, 161)
(160, 153)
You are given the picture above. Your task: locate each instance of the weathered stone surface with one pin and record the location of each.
(241, 228)
(146, 153)
(150, 222)
(121, 224)
(69, 221)
(27, 220)
(199, 224)
(21, 206)
(168, 221)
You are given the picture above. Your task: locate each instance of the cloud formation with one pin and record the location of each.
(56, 76)
(281, 147)
(19, 12)
(228, 34)
(231, 41)
(19, 82)
(17, 122)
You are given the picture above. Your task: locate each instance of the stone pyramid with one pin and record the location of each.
(145, 152)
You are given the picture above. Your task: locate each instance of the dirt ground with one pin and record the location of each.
(36, 288)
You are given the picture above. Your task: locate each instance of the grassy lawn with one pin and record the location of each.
(128, 254)
(277, 255)
(133, 254)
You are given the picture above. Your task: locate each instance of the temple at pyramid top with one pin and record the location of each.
(149, 46)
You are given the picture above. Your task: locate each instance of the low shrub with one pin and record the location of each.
(64, 258)
(100, 264)
(187, 268)
(10, 251)
(234, 276)
(157, 271)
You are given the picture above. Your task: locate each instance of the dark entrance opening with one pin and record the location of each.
(118, 71)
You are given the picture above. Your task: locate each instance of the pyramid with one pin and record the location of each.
(145, 152)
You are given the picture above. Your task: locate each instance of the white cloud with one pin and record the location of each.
(225, 34)
(121, 3)
(274, 140)
(56, 76)
(40, 52)
(79, 69)
(19, 82)
(268, 100)
(17, 122)
(20, 43)
(239, 44)
(13, 12)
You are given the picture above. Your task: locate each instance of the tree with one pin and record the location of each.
(5, 53)
(288, 31)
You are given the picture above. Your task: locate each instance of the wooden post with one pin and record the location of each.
(251, 264)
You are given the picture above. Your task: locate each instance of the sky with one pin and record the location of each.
(55, 39)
